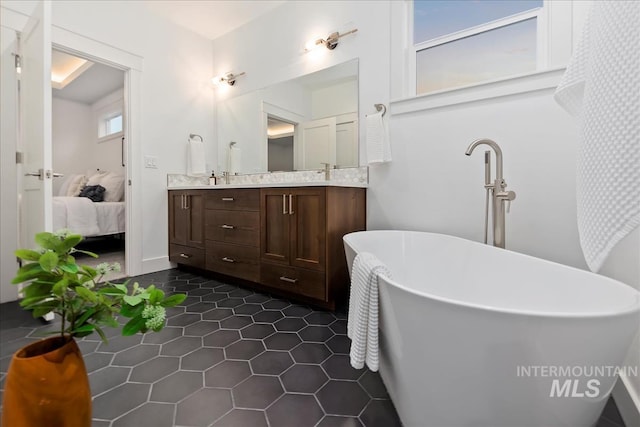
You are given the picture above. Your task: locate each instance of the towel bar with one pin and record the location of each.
(381, 107)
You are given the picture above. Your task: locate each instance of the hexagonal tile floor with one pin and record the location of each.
(228, 357)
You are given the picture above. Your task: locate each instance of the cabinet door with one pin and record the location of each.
(274, 224)
(195, 219)
(307, 228)
(178, 218)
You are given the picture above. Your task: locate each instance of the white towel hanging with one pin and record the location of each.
(362, 322)
(601, 87)
(234, 159)
(196, 158)
(378, 145)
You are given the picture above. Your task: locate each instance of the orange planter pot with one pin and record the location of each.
(47, 385)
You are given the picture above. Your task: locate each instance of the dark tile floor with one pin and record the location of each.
(228, 357)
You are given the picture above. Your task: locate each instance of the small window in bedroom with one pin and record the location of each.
(114, 124)
(110, 126)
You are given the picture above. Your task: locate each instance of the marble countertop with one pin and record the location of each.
(270, 185)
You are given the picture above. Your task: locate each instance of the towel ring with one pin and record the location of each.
(381, 107)
(193, 135)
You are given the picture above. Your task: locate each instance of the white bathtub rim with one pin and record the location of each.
(634, 306)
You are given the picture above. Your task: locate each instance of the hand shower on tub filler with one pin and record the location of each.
(495, 190)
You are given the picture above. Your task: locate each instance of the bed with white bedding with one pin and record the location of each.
(90, 218)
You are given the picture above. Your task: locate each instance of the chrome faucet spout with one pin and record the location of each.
(496, 149)
(326, 170)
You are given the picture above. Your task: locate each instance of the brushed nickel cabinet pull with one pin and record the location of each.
(288, 279)
(227, 199)
(284, 204)
(185, 256)
(186, 201)
(290, 204)
(225, 259)
(228, 227)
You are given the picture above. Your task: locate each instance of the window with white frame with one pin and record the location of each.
(110, 125)
(113, 124)
(462, 42)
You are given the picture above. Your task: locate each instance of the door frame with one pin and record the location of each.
(280, 113)
(132, 64)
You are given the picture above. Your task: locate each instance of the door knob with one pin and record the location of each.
(39, 174)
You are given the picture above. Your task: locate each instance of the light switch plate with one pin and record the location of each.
(151, 162)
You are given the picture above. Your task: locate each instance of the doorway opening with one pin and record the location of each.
(280, 143)
(88, 152)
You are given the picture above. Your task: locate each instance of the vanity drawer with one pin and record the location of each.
(233, 199)
(296, 280)
(239, 227)
(186, 255)
(234, 260)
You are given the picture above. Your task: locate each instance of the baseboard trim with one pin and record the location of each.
(151, 265)
(627, 400)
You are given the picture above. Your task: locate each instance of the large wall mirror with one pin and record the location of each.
(298, 124)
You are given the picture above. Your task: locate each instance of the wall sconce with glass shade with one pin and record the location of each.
(331, 42)
(228, 78)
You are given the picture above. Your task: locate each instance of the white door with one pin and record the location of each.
(316, 144)
(347, 145)
(35, 199)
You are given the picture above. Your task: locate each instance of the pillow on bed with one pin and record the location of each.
(114, 187)
(96, 178)
(65, 185)
(75, 184)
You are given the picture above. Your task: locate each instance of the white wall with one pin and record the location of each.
(445, 190)
(73, 139)
(176, 97)
(76, 146)
(107, 151)
(341, 98)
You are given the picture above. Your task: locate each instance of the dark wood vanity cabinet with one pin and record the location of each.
(301, 246)
(232, 231)
(287, 239)
(186, 227)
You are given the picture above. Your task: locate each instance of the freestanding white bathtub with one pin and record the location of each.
(470, 335)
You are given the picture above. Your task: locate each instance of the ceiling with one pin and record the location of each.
(209, 18)
(212, 18)
(93, 84)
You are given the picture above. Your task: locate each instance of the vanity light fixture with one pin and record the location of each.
(330, 42)
(228, 78)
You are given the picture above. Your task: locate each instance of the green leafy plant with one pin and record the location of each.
(85, 303)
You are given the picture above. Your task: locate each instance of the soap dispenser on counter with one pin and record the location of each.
(212, 178)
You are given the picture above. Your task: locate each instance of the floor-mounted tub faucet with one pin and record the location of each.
(496, 190)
